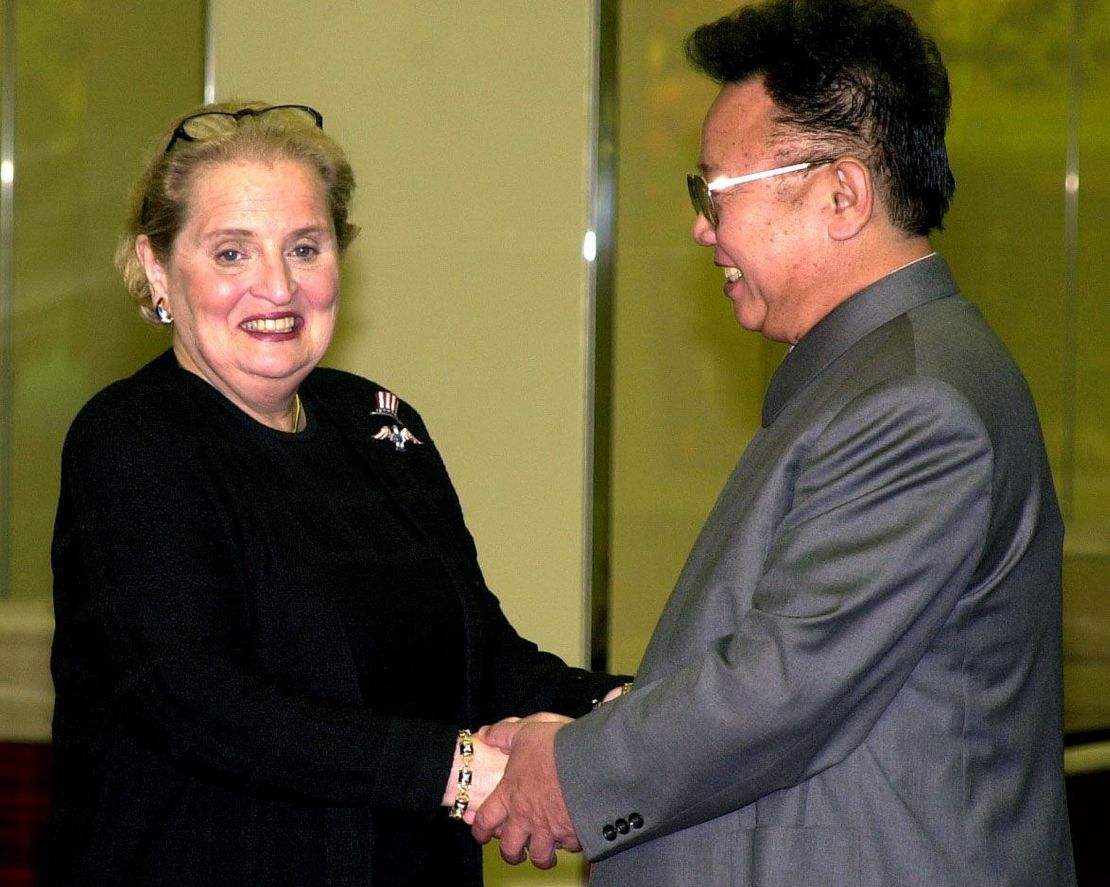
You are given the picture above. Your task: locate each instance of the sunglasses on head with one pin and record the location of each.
(204, 124)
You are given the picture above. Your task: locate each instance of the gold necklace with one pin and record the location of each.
(296, 413)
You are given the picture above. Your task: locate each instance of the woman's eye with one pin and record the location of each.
(228, 256)
(305, 251)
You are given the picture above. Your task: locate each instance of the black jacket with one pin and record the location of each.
(209, 725)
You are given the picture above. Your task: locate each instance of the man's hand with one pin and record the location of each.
(501, 734)
(527, 810)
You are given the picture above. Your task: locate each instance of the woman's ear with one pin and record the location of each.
(155, 273)
(853, 199)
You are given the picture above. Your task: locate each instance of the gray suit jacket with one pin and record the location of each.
(857, 679)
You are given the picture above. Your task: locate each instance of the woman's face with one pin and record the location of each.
(252, 281)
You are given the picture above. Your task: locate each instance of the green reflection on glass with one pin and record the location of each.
(93, 84)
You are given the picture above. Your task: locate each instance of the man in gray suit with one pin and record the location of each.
(857, 679)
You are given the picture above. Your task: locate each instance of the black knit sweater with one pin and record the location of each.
(266, 643)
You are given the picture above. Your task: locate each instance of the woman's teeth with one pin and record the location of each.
(733, 274)
(269, 325)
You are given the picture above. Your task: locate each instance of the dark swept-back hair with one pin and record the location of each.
(849, 76)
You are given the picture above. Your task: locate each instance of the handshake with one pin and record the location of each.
(514, 790)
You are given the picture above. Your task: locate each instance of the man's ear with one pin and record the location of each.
(853, 199)
(155, 273)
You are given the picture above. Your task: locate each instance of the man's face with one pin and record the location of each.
(770, 237)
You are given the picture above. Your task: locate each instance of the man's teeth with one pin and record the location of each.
(733, 274)
(269, 325)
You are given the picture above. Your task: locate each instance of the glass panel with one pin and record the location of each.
(93, 84)
(1009, 171)
(90, 85)
(1091, 502)
(687, 382)
(1014, 250)
(1087, 574)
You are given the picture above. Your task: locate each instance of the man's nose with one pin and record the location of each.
(704, 233)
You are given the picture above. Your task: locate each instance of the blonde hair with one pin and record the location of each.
(160, 196)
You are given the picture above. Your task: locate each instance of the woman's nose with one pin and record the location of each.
(276, 283)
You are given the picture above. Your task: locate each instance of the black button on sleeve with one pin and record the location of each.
(609, 833)
(622, 826)
(635, 820)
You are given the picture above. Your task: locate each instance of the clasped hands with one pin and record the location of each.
(515, 793)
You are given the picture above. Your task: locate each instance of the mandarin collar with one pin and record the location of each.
(913, 285)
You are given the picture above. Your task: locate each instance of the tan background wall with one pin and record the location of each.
(468, 128)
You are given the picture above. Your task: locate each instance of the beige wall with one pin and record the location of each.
(466, 292)
(468, 126)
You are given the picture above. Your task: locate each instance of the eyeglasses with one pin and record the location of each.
(199, 126)
(701, 191)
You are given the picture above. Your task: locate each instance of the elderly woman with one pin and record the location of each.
(272, 630)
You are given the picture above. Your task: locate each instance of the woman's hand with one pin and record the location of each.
(487, 766)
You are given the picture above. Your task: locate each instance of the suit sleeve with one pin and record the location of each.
(888, 519)
(150, 642)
